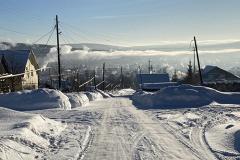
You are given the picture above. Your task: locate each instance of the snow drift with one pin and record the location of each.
(22, 134)
(35, 100)
(184, 96)
(93, 95)
(77, 99)
(123, 92)
(225, 138)
(80, 99)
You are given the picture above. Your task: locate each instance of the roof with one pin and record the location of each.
(208, 68)
(16, 60)
(216, 74)
(152, 78)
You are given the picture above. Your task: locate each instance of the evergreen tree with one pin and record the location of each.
(175, 77)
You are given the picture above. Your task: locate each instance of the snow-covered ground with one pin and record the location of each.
(24, 135)
(114, 128)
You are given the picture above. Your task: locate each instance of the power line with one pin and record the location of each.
(13, 31)
(43, 35)
(100, 35)
(78, 33)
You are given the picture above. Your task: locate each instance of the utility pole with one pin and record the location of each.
(78, 81)
(194, 63)
(199, 67)
(50, 76)
(58, 52)
(121, 77)
(103, 77)
(94, 79)
(149, 66)
(140, 73)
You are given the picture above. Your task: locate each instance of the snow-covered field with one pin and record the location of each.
(114, 128)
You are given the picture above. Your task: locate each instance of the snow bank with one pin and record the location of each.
(184, 96)
(93, 95)
(23, 133)
(35, 100)
(225, 138)
(104, 94)
(123, 92)
(78, 99)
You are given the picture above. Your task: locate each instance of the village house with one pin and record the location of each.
(18, 70)
(220, 79)
(214, 74)
(154, 82)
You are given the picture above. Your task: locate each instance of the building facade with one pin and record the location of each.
(20, 70)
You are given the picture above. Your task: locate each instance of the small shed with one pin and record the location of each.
(154, 82)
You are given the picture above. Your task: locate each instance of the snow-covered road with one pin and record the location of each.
(125, 132)
(114, 129)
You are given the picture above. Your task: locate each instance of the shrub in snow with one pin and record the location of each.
(78, 99)
(35, 100)
(184, 96)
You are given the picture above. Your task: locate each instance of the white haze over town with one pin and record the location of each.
(170, 54)
(173, 55)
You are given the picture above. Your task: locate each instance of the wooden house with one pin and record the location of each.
(21, 67)
(214, 74)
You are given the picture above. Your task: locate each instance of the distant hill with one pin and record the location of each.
(42, 49)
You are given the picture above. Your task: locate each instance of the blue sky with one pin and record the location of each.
(121, 22)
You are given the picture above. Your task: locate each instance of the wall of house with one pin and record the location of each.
(30, 78)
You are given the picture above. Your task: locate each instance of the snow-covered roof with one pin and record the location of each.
(16, 59)
(152, 78)
(208, 68)
(216, 74)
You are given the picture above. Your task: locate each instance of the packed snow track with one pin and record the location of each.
(125, 132)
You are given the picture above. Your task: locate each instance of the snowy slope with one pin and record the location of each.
(35, 100)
